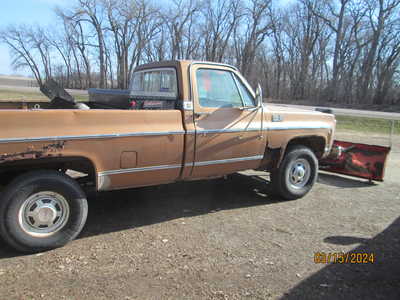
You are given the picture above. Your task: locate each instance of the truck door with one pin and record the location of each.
(229, 134)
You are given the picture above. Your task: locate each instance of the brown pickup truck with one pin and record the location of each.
(180, 120)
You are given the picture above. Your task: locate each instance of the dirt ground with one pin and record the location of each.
(223, 239)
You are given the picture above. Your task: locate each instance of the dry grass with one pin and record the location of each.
(29, 96)
(14, 95)
(367, 125)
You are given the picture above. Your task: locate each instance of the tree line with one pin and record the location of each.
(343, 51)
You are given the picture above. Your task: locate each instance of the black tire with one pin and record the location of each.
(282, 180)
(26, 195)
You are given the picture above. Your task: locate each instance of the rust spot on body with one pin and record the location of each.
(31, 153)
(271, 160)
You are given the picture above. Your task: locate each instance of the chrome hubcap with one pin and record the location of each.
(299, 173)
(43, 214)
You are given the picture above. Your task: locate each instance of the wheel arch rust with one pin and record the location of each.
(11, 168)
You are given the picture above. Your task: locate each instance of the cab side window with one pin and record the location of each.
(217, 88)
(248, 100)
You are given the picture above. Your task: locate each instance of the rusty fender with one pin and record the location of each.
(272, 158)
(31, 153)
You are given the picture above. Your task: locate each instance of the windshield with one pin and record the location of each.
(160, 82)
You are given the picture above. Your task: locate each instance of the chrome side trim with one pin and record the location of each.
(225, 161)
(93, 136)
(134, 170)
(270, 127)
(166, 167)
(228, 130)
(297, 125)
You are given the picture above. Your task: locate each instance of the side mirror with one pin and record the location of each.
(259, 97)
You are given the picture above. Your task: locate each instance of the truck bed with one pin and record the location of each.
(114, 140)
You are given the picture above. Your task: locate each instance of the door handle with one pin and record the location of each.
(201, 113)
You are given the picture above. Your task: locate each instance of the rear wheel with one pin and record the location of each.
(297, 173)
(42, 210)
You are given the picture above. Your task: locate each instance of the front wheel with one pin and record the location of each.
(42, 210)
(297, 173)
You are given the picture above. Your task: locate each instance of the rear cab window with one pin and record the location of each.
(155, 88)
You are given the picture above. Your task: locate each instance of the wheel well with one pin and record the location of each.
(274, 156)
(85, 168)
(315, 143)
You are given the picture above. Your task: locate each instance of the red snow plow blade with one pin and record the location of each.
(359, 160)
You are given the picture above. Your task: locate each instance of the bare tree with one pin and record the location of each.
(92, 12)
(17, 38)
(345, 51)
(388, 61)
(249, 38)
(380, 11)
(334, 17)
(179, 20)
(121, 19)
(220, 20)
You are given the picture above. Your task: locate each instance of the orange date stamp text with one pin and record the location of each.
(344, 258)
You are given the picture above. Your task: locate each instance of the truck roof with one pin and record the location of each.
(177, 63)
